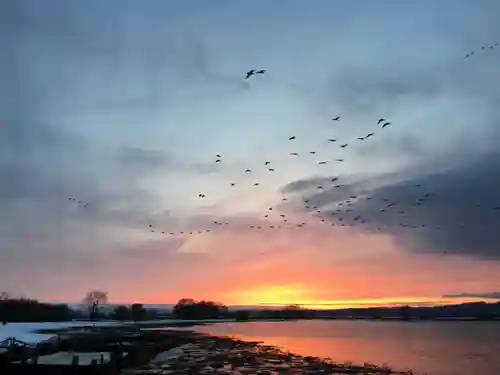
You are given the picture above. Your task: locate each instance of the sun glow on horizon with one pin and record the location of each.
(301, 295)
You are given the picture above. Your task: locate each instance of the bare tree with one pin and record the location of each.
(93, 300)
(4, 296)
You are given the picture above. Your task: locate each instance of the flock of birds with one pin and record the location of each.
(344, 213)
(482, 49)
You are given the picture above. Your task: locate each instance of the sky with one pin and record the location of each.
(124, 105)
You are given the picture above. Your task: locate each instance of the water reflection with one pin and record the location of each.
(437, 348)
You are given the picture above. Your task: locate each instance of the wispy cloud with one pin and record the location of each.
(491, 295)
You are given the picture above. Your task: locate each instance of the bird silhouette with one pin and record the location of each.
(386, 124)
(262, 71)
(344, 145)
(336, 118)
(250, 73)
(291, 138)
(369, 135)
(381, 120)
(332, 140)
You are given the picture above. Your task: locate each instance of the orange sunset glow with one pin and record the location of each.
(319, 269)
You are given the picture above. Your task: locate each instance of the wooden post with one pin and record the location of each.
(74, 362)
(35, 358)
(23, 356)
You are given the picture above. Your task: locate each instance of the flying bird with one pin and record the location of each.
(386, 124)
(294, 153)
(336, 118)
(267, 163)
(250, 73)
(291, 138)
(322, 162)
(344, 145)
(381, 120)
(248, 170)
(369, 135)
(332, 140)
(262, 71)
(361, 138)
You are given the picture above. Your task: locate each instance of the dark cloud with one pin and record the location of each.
(460, 214)
(491, 295)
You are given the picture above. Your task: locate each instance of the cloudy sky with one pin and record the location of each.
(124, 105)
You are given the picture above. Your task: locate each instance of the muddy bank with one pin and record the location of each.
(205, 354)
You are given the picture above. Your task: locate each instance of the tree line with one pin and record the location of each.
(30, 310)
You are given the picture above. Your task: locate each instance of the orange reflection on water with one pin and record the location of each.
(437, 348)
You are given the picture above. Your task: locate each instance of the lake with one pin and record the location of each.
(435, 348)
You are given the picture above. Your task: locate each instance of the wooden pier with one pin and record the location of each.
(45, 358)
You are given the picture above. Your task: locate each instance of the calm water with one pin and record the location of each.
(436, 348)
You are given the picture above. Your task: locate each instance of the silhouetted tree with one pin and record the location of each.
(122, 312)
(188, 308)
(29, 310)
(138, 312)
(405, 312)
(241, 315)
(93, 300)
(294, 312)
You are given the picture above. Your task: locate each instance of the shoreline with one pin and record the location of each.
(223, 354)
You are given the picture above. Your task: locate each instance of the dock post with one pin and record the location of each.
(23, 356)
(35, 358)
